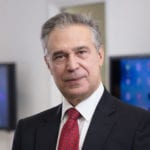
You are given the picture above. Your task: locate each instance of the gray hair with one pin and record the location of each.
(64, 19)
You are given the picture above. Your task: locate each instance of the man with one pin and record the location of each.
(74, 56)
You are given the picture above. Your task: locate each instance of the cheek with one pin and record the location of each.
(95, 62)
(94, 67)
(57, 72)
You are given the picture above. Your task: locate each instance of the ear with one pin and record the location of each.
(47, 63)
(101, 55)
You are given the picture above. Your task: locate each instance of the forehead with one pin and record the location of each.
(69, 35)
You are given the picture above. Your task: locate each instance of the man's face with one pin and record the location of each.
(74, 62)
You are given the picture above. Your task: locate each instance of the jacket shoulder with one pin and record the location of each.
(44, 116)
(124, 109)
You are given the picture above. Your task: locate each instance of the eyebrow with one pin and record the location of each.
(65, 52)
(80, 48)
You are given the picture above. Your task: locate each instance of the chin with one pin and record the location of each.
(77, 94)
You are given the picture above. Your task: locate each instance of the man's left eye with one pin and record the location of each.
(82, 52)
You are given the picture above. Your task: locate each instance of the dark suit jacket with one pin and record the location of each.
(115, 126)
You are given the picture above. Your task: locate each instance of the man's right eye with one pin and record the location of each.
(59, 57)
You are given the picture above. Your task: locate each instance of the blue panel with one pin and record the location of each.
(3, 97)
(135, 81)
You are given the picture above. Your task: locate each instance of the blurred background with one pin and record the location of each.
(125, 26)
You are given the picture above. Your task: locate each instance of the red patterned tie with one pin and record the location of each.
(69, 138)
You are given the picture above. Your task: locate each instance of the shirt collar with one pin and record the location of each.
(87, 106)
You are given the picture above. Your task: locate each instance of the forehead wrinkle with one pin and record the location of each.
(80, 47)
(66, 50)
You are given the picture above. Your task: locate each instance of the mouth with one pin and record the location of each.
(74, 80)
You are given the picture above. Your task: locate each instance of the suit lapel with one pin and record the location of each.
(101, 124)
(47, 133)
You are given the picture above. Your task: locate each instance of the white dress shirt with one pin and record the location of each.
(86, 109)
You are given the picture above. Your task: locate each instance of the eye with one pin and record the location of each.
(82, 53)
(59, 57)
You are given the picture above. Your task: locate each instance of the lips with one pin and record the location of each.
(73, 82)
(73, 79)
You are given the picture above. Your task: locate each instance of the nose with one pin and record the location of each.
(72, 63)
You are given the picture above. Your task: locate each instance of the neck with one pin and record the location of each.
(76, 99)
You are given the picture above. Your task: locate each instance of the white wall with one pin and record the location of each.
(127, 27)
(20, 23)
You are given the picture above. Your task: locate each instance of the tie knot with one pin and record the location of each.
(73, 114)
